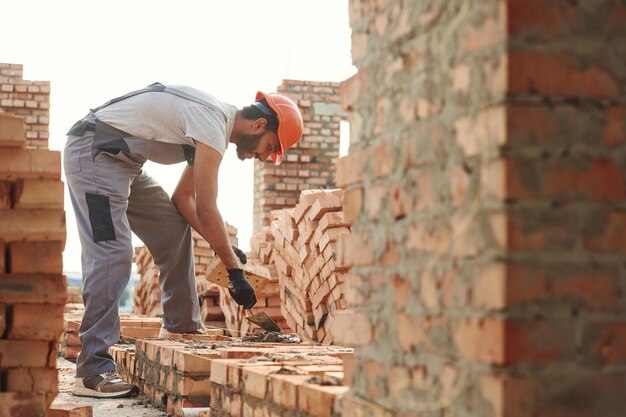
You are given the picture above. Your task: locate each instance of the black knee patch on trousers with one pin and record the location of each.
(100, 217)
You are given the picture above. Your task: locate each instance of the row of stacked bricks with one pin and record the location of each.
(132, 327)
(233, 378)
(147, 296)
(28, 99)
(301, 245)
(32, 286)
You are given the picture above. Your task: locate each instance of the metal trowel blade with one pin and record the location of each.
(264, 321)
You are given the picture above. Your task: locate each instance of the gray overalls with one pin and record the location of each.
(111, 195)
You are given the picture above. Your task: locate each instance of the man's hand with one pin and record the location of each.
(240, 288)
(240, 254)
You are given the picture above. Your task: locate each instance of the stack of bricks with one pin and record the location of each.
(301, 245)
(486, 184)
(234, 378)
(29, 100)
(33, 290)
(309, 163)
(74, 299)
(132, 327)
(171, 374)
(147, 296)
(69, 342)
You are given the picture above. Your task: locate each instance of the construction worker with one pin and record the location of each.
(112, 196)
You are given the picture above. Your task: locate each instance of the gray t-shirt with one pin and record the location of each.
(168, 118)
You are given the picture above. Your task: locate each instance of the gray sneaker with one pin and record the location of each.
(107, 385)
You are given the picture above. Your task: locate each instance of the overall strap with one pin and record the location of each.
(151, 88)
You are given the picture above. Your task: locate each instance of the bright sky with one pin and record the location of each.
(94, 51)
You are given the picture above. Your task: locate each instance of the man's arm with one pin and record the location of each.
(195, 197)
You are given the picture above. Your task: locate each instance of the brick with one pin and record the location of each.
(508, 397)
(614, 131)
(486, 130)
(33, 288)
(319, 401)
(606, 342)
(38, 194)
(558, 75)
(24, 403)
(255, 380)
(12, 131)
(18, 164)
(352, 328)
(36, 257)
(28, 353)
(32, 380)
(5, 195)
(36, 322)
(70, 410)
(3, 321)
(191, 385)
(33, 225)
(284, 389)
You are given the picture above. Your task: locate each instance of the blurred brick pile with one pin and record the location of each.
(132, 327)
(33, 289)
(29, 100)
(147, 295)
(234, 377)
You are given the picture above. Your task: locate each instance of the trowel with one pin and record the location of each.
(262, 320)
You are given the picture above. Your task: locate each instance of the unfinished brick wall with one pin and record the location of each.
(485, 181)
(310, 163)
(27, 99)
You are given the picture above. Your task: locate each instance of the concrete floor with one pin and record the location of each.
(131, 407)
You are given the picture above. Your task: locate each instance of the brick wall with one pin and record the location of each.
(309, 164)
(485, 181)
(27, 99)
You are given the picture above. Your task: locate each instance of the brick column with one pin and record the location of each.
(310, 163)
(486, 184)
(29, 100)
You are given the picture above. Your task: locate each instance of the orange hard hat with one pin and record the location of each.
(290, 123)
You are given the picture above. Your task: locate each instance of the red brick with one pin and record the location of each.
(23, 164)
(284, 389)
(22, 404)
(70, 410)
(38, 194)
(611, 237)
(375, 195)
(351, 328)
(459, 180)
(353, 203)
(256, 380)
(509, 397)
(36, 322)
(12, 132)
(36, 257)
(27, 353)
(492, 31)
(558, 75)
(32, 380)
(606, 341)
(548, 19)
(319, 401)
(350, 168)
(486, 130)
(33, 288)
(375, 377)
(355, 248)
(615, 129)
(410, 335)
(428, 236)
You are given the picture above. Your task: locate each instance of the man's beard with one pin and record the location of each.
(248, 144)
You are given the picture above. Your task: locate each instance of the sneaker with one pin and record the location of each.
(107, 385)
(165, 334)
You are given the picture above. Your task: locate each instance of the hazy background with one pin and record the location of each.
(93, 51)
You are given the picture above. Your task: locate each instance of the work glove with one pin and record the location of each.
(242, 256)
(240, 288)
